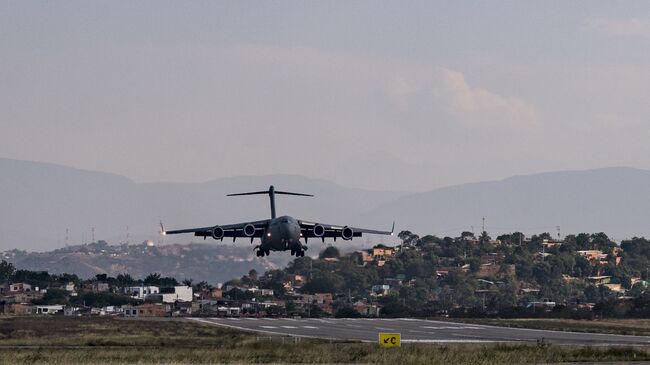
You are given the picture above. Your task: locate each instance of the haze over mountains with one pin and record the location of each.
(39, 201)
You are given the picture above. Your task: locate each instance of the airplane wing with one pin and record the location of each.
(321, 230)
(228, 230)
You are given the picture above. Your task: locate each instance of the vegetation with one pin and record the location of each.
(61, 340)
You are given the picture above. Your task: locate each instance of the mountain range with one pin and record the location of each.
(41, 202)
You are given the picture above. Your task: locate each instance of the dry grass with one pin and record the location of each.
(60, 340)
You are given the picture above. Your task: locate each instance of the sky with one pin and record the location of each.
(379, 95)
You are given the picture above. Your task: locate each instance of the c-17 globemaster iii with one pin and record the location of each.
(279, 233)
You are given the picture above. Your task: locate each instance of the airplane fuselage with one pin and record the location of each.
(282, 234)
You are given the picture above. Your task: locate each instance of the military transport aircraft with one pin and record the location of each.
(278, 233)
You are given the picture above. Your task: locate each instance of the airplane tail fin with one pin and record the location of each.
(271, 192)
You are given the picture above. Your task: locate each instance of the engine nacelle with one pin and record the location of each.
(347, 233)
(319, 230)
(217, 233)
(249, 230)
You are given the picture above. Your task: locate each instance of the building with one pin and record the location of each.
(176, 294)
(367, 309)
(599, 280)
(19, 309)
(593, 255)
(380, 290)
(49, 309)
(153, 310)
(20, 287)
(141, 292)
(100, 287)
(129, 311)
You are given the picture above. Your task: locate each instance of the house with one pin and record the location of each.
(365, 257)
(153, 310)
(547, 306)
(366, 309)
(599, 280)
(20, 287)
(527, 291)
(616, 288)
(100, 287)
(71, 311)
(216, 293)
(19, 309)
(593, 255)
(551, 243)
(183, 309)
(383, 252)
(24, 297)
(141, 292)
(176, 294)
(380, 290)
(130, 311)
(49, 309)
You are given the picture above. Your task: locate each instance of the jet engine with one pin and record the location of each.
(217, 233)
(249, 230)
(319, 230)
(347, 233)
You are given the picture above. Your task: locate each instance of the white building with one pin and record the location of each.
(49, 309)
(141, 292)
(176, 294)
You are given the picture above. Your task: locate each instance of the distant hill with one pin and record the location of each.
(39, 201)
(207, 262)
(611, 200)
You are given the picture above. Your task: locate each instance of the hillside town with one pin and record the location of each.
(578, 276)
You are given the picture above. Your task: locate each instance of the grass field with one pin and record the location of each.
(61, 340)
(640, 327)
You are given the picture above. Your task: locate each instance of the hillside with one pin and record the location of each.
(612, 200)
(41, 200)
(197, 261)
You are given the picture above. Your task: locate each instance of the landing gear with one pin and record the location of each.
(298, 253)
(262, 253)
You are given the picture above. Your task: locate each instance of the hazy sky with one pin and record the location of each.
(380, 95)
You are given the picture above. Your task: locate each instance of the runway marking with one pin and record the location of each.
(252, 319)
(450, 327)
(384, 329)
(268, 326)
(290, 327)
(310, 327)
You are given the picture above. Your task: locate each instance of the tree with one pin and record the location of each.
(408, 238)
(324, 282)
(347, 312)
(329, 252)
(152, 279)
(7, 270)
(188, 282)
(125, 280)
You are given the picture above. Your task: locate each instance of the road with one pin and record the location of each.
(416, 330)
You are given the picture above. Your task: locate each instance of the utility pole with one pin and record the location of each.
(558, 232)
(483, 224)
(67, 237)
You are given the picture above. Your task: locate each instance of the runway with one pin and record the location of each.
(416, 330)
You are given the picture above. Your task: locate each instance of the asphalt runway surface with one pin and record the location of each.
(416, 330)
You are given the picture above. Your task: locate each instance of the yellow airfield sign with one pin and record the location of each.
(390, 339)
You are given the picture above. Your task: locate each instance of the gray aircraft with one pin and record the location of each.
(278, 233)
